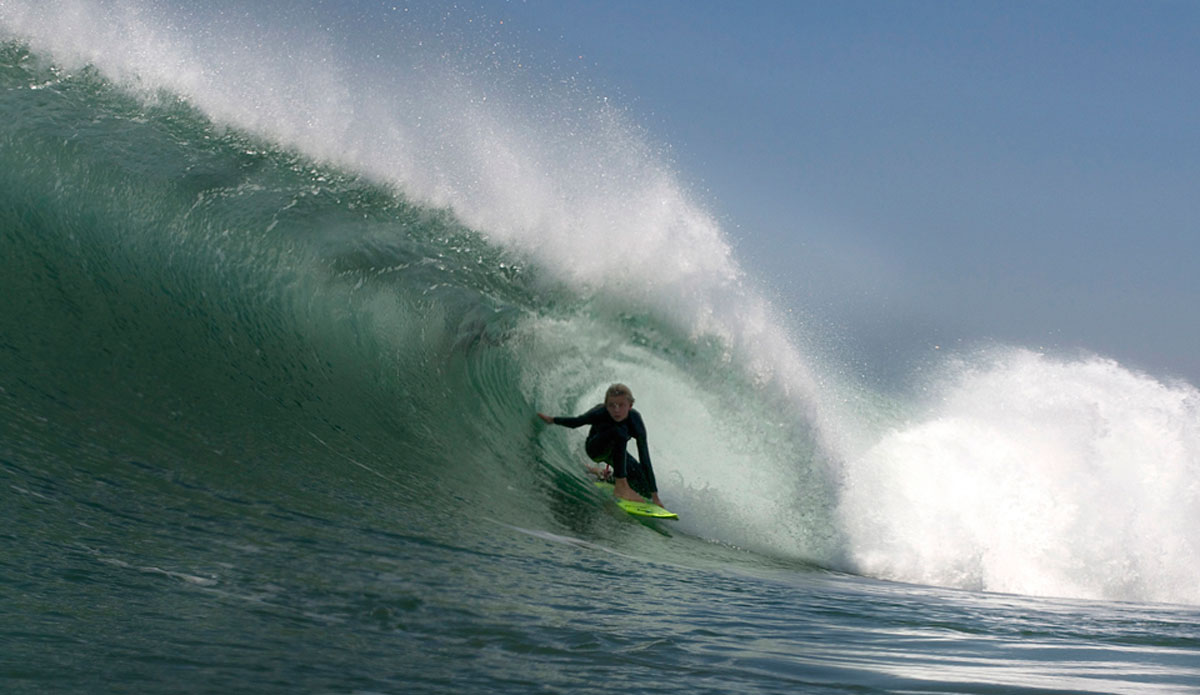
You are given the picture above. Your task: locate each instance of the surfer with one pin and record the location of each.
(613, 424)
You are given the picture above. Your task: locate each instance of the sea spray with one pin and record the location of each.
(1034, 475)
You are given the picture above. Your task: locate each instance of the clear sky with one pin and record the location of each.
(911, 174)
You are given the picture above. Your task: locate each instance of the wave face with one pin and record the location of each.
(192, 291)
(233, 264)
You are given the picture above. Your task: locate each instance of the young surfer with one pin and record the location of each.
(613, 424)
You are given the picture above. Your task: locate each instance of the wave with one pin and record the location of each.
(279, 253)
(1028, 474)
(213, 282)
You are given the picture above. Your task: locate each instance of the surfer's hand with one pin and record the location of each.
(546, 418)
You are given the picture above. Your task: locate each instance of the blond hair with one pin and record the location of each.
(618, 390)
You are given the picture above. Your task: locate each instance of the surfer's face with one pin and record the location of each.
(618, 407)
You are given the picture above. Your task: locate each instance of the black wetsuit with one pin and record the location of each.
(606, 441)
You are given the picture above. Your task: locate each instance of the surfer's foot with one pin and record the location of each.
(621, 489)
(654, 499)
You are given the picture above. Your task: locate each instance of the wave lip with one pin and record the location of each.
(562, 177)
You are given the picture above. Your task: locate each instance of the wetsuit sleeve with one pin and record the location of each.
(587, 418)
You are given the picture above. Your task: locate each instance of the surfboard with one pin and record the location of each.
(644, 509)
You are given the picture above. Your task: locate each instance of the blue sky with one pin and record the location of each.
(911, 174)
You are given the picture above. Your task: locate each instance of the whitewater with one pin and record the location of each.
(282, 293)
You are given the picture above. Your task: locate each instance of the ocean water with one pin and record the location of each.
(270, 350)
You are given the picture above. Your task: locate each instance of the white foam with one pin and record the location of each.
(1036, 476)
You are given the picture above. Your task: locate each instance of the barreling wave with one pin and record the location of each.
(182, 282)
(240, 280)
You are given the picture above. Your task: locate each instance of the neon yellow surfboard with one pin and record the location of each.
(646, 509)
